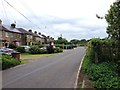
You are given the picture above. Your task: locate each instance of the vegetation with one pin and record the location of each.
(8, 61)
(61, 41)
(36, 50)
(57, 50)
(49, 49)
(101, 62)
(12, 46)
(113, 29)
(20, 49)
(64, 44)
(103, 74)
(27, 56)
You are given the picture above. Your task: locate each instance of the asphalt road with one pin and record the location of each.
(57, 71)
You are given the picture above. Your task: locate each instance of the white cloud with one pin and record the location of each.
(72, 18)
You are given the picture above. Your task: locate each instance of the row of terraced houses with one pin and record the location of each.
(19, 36)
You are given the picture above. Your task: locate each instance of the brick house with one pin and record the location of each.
(37, 38)
(10, 35)
(27, 37)
(19, 36)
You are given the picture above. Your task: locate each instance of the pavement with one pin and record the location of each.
(58, 71)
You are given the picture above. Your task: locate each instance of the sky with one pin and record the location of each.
(74, 19)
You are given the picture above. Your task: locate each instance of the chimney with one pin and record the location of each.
(13, 25)
(35, 32)
(39, 33)
(30, 30)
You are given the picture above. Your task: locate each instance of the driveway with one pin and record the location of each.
(58, 71)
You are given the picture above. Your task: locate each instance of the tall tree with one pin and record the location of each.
(61, 41)
(113, 29)
(113, 19)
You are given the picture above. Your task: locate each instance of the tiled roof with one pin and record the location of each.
(10, 29)
(23, 31)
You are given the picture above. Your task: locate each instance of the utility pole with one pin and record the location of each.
(0, 33)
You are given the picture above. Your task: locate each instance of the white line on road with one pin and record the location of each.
(76, 82)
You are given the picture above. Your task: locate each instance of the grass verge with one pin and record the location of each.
(25, 58)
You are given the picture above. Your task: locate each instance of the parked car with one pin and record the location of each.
(7, 51)
(26, 48)
(45, 48)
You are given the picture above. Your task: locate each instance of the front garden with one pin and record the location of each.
(34, 52)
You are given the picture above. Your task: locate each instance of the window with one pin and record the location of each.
(12, 35)
(19, 35)
(30, 36)
(0, 34)
(6, 34)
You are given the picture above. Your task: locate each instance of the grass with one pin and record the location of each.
(25, 58)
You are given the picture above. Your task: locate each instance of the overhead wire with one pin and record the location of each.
(22, 14)
(4, 11)
(26, 6)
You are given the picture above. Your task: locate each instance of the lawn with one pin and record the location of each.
(30, 57)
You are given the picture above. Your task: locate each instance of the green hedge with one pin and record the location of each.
(105, 49)
(57, 50)
(8, 61)
(103, 74)
(37, 50)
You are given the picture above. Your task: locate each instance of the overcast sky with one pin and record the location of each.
(74, 19)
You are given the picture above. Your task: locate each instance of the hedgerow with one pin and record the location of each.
(103, 72)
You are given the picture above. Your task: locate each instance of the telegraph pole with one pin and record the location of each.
(0, 33)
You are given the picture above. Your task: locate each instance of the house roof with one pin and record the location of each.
(35, 35)
(10, 29)
(23, 31)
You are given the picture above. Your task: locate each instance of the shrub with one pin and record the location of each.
(103, 75)
(42, 51)
(12, 46)
(41, 45)
(59, 45)
(57, 50)
(20, 49)
(8, 61)
(34, 50)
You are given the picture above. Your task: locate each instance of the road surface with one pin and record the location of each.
(58, 71)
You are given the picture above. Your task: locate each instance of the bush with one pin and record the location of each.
(37, 50)
(12, 46)
(103, 75)
(34, 50)
(42, 51)
(20, 49)
(57, 50)
(59, 45)
(41, 45)
(8, 61)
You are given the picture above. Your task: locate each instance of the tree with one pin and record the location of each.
(113, 19)
(61, 41)
(113, 29)
(74, 41)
